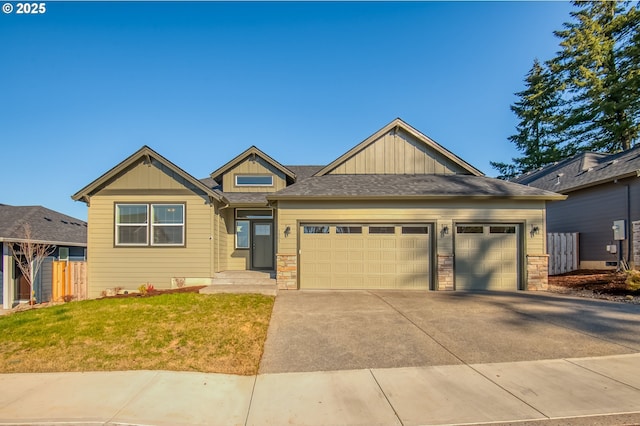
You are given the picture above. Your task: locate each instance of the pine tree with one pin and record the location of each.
(536, 137)
(599, 66)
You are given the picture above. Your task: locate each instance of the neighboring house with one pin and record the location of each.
(397, 211)
(47, 227)
(601, 189)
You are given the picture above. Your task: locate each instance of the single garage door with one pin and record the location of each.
(365, 256)
(486, 257)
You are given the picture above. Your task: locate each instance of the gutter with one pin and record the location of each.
(53, 243)
(635, 173)
(555, 197)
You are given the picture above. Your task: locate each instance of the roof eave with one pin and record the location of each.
(635, 173)
(53, 243)
(540, 197)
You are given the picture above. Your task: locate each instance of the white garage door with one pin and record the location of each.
(365, 256)
(486, 257)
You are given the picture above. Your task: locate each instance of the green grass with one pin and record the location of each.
(222, 333)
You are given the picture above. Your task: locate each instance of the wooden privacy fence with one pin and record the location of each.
(69, 280)
(563, 252)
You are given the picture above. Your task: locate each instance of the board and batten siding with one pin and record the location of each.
(439, 213)
(129, 267)
(257, 167)
(397, 152)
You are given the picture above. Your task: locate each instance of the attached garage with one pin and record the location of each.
(371, 256)
(486, 256)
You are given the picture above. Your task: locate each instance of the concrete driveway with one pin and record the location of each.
(346, 330)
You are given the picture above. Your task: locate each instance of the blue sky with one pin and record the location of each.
(86, 84)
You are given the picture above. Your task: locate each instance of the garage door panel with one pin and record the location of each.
(388, 260)
(486, 260)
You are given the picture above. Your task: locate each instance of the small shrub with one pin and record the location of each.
(68, 298)
(633, 280)
(145, 289)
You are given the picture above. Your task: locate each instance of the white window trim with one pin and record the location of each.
(149, 225)
(153, 225)
(253, 184)
(118, 225)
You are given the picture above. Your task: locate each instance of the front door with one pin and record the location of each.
(262, 245)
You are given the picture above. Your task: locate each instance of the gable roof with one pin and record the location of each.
(148, 156)
(400, 124)
(253, 150)
(47, 226)
(584, 170)
(408, 186)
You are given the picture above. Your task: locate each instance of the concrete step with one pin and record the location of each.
(242, 282)
(267, 290)
(245, 274)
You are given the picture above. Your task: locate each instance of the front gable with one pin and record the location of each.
(399, 149)
(253, 171)
(146, 172)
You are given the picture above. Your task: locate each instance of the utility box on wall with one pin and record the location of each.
(619, 233)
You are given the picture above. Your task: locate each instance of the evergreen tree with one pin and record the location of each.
(536, 137)
(599, 66)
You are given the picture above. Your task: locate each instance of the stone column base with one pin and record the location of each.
(287, 271)
(537, 272)
(445, 272)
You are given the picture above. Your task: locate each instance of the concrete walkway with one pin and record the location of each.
(528, 392)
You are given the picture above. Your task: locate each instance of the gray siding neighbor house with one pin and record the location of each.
(47, 227)
(601, 189)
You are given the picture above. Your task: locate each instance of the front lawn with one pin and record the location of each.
(221, 333)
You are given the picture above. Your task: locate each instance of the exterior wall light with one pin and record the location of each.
(535, 230)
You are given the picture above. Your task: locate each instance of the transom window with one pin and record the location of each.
(254, 214)
(133, 227)
(254, 180)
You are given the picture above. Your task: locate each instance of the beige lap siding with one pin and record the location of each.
(129, 267)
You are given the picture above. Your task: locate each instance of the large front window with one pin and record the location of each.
(133, 227)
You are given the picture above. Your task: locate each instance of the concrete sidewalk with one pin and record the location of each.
(528, 391)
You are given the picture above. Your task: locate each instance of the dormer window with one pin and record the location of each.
(254, 180)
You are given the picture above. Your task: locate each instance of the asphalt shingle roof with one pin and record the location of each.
(583, 170)
(409, 185)
(46, 225)
(304, 172)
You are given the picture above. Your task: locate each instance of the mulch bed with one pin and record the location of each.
(596, 284)
(154, 292)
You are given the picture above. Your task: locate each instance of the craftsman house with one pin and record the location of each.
(396, 211)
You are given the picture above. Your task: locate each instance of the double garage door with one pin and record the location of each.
(393, 256)
(365, 256)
